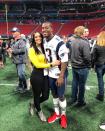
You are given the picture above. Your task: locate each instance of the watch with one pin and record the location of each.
(51, 65)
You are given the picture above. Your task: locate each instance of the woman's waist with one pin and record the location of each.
(38, 69)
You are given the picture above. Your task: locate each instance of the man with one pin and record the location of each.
(19, 55)
(86, 36)
(80, 61)
(86, 32)
(90, 41)
(4, 47)
(56, 49)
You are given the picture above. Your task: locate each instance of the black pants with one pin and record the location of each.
(40, 87)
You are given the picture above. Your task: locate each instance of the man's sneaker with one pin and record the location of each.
(53, 118)
(71, 102)
(78, 104)
(102, 126)
(23, 90)
(42, 116)
(100, 97)
(63, 121)
(18, 88)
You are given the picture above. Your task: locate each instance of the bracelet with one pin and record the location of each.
(51, 65)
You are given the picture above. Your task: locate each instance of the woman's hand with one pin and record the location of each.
(56, 63)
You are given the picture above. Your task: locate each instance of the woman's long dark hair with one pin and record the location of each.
(34, 44)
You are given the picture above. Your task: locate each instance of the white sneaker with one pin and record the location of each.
(42, 116)
(102, 126)
(31, 109)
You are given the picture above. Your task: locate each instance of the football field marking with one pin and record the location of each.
(87, 87)
(12, 84)
(2, 84)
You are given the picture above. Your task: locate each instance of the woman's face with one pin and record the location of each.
(37, 38)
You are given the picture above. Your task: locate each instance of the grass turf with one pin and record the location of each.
(14, 115)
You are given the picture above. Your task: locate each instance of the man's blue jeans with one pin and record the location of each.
(78, 83)
(21, 75)
(100, 70)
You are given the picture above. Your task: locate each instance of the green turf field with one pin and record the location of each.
(14, 115)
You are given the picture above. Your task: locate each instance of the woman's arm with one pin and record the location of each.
(34, 59)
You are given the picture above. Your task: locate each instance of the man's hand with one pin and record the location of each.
(60, 81)
(10, 52)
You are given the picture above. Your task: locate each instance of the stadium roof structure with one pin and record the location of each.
(67, 1)
(53, 9)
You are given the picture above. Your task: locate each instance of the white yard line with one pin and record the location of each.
(2, 84)
(87, 87)
(90, 87)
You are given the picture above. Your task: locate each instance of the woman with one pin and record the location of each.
(98, 55)
(39, 79)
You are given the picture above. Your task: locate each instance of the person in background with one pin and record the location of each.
(39, 78)
(10, 42)
(27, 41)
(86, 32)
(98, 60)
(86, 36)
(19, 56)
(90, 41)
(56, 49)
(28, 64)
(80, 58)
(4, 47)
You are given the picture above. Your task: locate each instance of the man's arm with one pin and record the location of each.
(63, 55)
(21, 48)
(60, 80)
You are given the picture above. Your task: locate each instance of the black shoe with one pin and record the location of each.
(18, 88)
(71, 102)
(22, 90)
(80, 104)
(100, 97)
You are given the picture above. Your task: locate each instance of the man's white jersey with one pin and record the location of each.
(53, 49)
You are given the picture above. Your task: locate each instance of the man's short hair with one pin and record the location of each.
(79, 30)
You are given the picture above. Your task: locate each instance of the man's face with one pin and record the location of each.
(15, 34)
(46, 29)
(86, 32)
